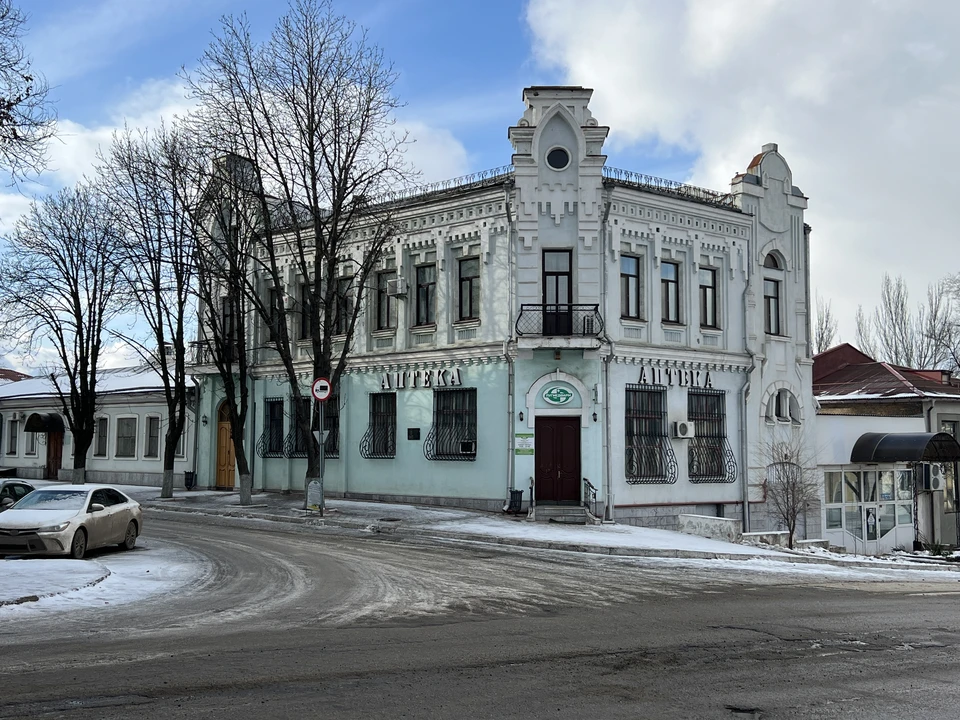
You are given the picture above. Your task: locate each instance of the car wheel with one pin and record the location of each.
(78, 547)
(130, 537)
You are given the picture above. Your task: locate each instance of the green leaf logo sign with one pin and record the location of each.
(557, 395)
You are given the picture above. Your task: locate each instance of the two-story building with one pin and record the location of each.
(569, 330)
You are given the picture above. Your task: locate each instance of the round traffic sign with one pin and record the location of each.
(321, 389)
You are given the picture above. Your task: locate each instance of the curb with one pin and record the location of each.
(611, 550)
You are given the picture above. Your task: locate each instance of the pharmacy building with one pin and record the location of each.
(564, 335)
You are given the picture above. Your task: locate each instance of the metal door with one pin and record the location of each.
(557, 457)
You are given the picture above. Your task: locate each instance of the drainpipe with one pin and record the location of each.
(196, 428)
(607, 479)
(745, 391)
(511, 367)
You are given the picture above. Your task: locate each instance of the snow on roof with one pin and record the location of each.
(112, 381)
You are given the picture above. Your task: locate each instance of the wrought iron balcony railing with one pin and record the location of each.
(203, 352)
(560, 320)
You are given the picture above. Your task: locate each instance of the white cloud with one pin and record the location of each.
(862, 97)
(435, 152)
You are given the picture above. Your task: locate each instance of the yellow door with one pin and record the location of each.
(226, 460)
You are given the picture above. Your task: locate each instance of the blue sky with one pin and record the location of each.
(861, 96)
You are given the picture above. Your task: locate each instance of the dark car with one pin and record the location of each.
(12, 490)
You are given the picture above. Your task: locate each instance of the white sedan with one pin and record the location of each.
(69, 520)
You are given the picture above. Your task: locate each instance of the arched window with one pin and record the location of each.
(783, 407)
(771, 261)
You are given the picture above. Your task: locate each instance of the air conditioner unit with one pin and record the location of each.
(468, 447)
(933, 477)
(397, 287)
(683, 429)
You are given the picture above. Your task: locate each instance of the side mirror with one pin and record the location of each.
(95, 507)
(6, 502)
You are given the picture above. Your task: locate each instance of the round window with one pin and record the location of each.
(558, 158)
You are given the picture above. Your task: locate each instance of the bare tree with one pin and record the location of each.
(825, 330)
(27, 119)
(917, 337)
(311, 109)
(792, 481)
(147, 177)
(60, 285)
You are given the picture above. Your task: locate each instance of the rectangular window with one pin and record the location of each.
(30, 440)
(386, 303)
(950, 494)
(306, 311)
(469, 289)
(153, 437)
(126, 437)
(426, 295)
(645, 423)
(771, 307)
(272, 439)
(272, 316)
(181, 442)
(630, 286)
(708, 298)
(227, 329)
(453, 435)
(380, 440)
(100, 441)
(670, 291)
(707, 453)
(344, 306)
(12, 428)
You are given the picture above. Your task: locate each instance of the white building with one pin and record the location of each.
(565, 326)
(128, 443)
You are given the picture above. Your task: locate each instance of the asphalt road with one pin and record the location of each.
(288, 624)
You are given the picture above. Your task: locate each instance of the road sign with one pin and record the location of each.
(321, 389)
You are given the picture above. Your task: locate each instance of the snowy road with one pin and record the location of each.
(278, 622)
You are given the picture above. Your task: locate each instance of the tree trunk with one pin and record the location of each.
(246, 489)
(166, 491)
(79, 475)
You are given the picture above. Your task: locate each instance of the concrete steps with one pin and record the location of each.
(566, 514)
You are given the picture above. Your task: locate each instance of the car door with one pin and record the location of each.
(119, 514)
(98, 524)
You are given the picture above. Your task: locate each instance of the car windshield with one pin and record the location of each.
(53, 500)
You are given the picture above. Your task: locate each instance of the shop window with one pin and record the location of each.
(126, 437)
(380, 440)
(453, 434)
(100, 439)
(631, 287)
(152, 448)
(709, 455)
(670, 291)
(426, 310)
(648, 455)
(469, 289)
(708, 298)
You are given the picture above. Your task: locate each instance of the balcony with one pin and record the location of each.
(559, 326)
(202, 353)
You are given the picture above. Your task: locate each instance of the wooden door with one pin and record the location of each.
(54, 455)
(226, 459)
(557, 456)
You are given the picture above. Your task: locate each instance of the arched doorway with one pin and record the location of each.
(226, 459)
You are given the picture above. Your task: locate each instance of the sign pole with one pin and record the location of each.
(323, 454)
(321, 391)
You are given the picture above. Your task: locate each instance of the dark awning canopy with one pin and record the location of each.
(905, 447)
(44, 422)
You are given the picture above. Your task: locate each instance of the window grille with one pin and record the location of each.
(380, 440)
(295, 444)
(331, 423)
(270, 444)
(709, 455)
(453, 434)
(649, 455)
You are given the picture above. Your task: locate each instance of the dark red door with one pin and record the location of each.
(557, 455)
(54, 454)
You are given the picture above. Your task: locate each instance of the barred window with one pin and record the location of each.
(648, 455)
(301, 409)
(271, 441)
(331, 424)
(708, 454)
(380, 440)
(453, 435)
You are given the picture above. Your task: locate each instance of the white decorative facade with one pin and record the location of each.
(581, 334)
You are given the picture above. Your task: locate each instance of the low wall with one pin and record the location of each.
(708, 526)
(108, 477)
(768, 537)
